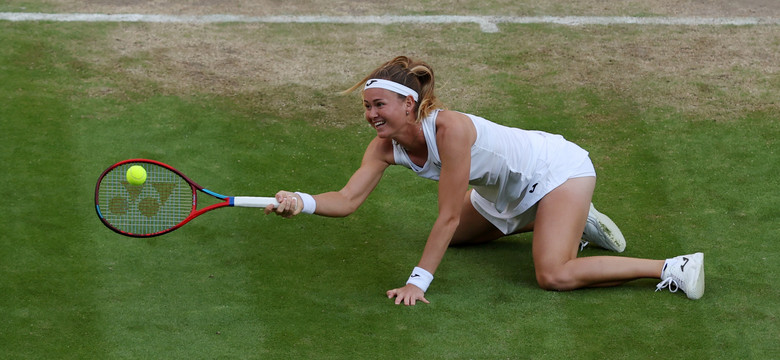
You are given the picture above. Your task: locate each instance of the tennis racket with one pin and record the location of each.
(164, 202)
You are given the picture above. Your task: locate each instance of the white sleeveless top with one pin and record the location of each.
(510, 167)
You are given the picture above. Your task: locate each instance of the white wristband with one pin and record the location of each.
(420, 278)
(309, 205)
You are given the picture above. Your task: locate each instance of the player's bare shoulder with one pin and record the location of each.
(455, 123)
(380, 150)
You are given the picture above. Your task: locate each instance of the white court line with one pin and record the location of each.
(486, 23)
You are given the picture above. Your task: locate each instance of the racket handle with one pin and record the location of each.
(253, 201)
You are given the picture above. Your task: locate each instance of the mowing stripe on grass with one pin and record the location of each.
(486, 23)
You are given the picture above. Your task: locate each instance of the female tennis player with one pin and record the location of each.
(493, 181)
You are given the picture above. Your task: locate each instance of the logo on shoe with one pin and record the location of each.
(682, 267)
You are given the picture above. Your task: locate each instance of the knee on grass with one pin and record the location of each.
(555, 280)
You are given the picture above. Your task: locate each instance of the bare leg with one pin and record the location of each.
(473, 227)
(560, 220)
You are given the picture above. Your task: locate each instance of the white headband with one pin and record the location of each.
(392, 86)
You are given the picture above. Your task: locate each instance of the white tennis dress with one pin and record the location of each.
(511, 169)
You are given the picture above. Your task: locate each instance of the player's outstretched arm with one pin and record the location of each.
(377, 158)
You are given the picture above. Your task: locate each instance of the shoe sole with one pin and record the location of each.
(617, 242)
(697, 287)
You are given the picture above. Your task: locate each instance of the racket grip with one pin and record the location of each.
(253, 201)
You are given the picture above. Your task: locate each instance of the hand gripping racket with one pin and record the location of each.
(164, 202)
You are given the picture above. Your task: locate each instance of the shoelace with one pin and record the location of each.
(583, 244)
(668, 282)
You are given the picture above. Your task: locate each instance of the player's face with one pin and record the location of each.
(385, 111)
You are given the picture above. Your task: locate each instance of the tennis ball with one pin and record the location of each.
(136, 175)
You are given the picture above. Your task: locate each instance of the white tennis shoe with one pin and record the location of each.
(602, 231)
(684, 272)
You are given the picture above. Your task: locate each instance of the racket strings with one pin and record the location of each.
(163, 201)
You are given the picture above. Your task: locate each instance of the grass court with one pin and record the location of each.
(681, 123)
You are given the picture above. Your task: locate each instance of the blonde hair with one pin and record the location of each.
(415, 75)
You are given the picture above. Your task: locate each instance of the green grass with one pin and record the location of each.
(236, 284)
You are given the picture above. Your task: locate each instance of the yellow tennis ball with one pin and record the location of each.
(136, 175)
